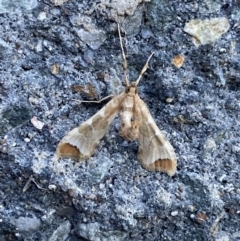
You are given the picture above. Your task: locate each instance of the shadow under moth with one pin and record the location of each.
(154, 153)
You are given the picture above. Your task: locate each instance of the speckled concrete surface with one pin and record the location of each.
(52, 52)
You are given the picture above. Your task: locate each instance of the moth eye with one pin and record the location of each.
(123, 124)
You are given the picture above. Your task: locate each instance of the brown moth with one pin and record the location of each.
(154, 153)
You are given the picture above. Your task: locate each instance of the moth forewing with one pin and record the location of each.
(155, 153)
(81, 142)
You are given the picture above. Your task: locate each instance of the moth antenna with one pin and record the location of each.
(143, 69)
(124, 63)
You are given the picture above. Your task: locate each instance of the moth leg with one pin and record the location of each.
(143, 69)
(124, 63)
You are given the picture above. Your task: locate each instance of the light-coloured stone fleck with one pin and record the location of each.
(91, 231)
(59, 2)
(61, 233)
(206, 31)
(88, 32)
(26, 223)
(174, 213)
(55, 69)
(178, 61)
(210, 144)
(42, 16)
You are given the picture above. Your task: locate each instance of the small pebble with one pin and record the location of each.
(26, 139)
(174, 213)
(42, 16)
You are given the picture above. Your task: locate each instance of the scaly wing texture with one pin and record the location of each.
(155, 152)
(80, 143)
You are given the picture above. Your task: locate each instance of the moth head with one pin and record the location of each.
(131, 88)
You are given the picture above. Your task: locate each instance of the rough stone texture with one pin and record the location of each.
(62, 232)
(91, 231)
(8, 6)
(210, 6)
(26, 223)
(43, 54)
(117, 10)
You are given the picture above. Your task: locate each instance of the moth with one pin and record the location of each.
(155, 153)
